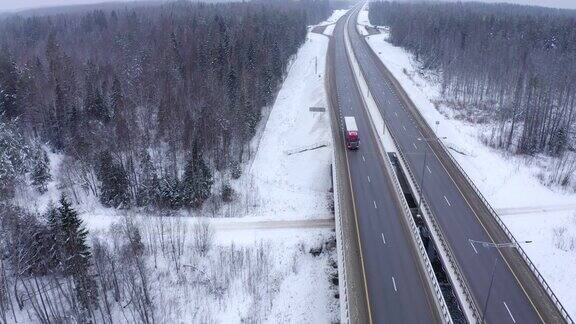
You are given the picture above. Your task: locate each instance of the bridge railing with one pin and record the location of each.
(511, 237)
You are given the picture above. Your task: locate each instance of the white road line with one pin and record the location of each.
(376, 207)
(509, 312)
(415, 147)
(428, 170)
(394, 283)
(447, 201)
(363, 159)
(473, 247)
(368, 178)
(383, 239)
(404, 127)
(395, 113)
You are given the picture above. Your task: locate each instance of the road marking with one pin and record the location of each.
(394, 283)
(447, 201)
(428, 170)
(376, 207)
(363, 159)
(415, 147)
(383, 239)
(509, 312)
(395, 113)
(404, 128)
(473, 247)
(368, 178)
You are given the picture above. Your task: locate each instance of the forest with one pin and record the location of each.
(143, 105)
(510, 67)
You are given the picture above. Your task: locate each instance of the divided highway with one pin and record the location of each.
(458, 214)
(394, 283)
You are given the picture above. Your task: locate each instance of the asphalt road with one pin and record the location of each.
(397, 290)
(508, 302)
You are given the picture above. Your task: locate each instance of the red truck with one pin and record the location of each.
(352, 138)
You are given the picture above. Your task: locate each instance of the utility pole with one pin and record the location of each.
(493, 246)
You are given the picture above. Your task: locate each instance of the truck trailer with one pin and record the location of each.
(352, 138)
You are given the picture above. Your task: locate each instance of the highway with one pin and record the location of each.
(397, 290)
(455, 211)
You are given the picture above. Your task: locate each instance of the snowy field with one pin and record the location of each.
(546, 216)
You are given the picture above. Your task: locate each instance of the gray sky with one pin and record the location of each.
(11, 5)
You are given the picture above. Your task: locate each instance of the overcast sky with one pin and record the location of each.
(10, 5)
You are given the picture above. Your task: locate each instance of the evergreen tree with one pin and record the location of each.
(197, 181)
(41, 171)
(113, 182)
(10, 106)
(55, 238)
(149, 183)
(76, 255)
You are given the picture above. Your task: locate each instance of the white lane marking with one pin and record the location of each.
(376, 207)
(415, 147)
(368, 178)
(473, 247)
(394, 283)
(363, 159)
(395, 113)
(509, 312)
(428, 170)
(404, 128)
(383, 239)
(447, 201)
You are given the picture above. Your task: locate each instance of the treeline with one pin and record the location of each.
(513, 66)
(146, 102)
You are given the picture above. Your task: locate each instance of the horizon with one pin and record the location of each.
(13, 6)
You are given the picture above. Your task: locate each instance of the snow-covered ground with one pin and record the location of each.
(509, 182)
(281, 212)
(283, 182)
(330, 23)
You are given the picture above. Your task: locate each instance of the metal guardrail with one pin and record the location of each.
(460, 278)
(416, 236)
(512, 239)
(342, 281)
(414, 231)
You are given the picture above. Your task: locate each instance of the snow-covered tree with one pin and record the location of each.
(14, 155)
(113, 182)
(41, 171)
(197, 182)
(76, 254)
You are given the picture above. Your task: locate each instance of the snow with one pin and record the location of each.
(284, 185)
(507, 181)
(281, 208)
(330, 23)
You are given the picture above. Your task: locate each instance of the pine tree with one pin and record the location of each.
(41, 171)
(55, 238)
(76, 254)
(113, 182)
(197, 182)
(149, 183)
(10, 105)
